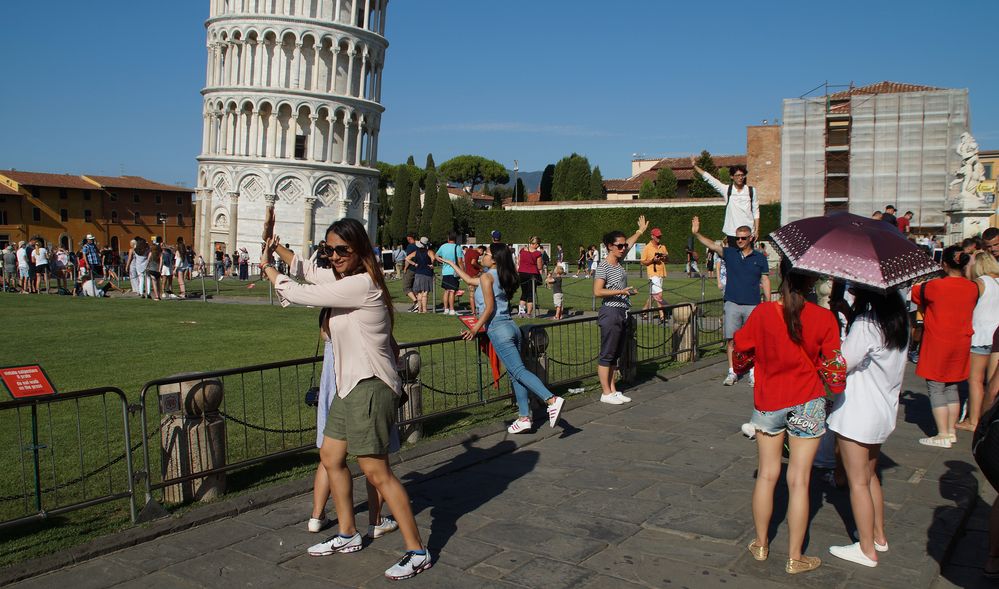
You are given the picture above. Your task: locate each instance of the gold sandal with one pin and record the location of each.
(807, 563)
(759, 552)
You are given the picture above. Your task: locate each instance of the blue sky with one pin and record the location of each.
(113, 86)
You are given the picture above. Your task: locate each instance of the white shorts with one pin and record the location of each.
(557, 299)
(655, 285)
(166, 271)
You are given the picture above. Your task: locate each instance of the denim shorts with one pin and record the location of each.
(807, 420)
(981, 350)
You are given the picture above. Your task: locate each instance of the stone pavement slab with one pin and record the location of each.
(656, 493)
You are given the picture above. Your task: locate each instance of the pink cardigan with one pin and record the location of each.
(360, 326)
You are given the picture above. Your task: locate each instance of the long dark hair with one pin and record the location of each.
(793, 288)
(181, 248)
(954, 257)
(352, 232)
(890, 313)
(505, 268)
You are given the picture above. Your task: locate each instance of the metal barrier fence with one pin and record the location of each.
(60, 461)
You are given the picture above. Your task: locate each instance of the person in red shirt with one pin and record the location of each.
(473, 269)
(796, 349)
(948, 305)
(903, 222)
(529, 267)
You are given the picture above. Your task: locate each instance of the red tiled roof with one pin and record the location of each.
(681, 169)
(722, 161)
(135, 183)
(477, 195)
(885, 87)
(7, 191)
(47, 180)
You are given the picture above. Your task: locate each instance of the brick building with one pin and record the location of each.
(63, 209)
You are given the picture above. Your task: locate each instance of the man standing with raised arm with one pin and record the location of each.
(742, 203)
(747, 274)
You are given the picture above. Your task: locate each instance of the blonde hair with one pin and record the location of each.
(984, 265)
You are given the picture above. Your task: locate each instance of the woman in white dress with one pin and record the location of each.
(864, 415)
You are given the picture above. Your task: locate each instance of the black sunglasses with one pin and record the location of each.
(340, 250)
(620, 245)
(740, 238)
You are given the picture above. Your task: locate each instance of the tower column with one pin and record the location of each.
(367, 12)
(233, 221)
(350, 71)
(346, 138)
(203, 217)
(296, 65)
(331, 139)
(313, 143)
(307, 229)
(357, 142)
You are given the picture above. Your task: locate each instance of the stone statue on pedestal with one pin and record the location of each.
(970, 174)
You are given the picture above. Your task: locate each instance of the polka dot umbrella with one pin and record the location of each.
(864, 251)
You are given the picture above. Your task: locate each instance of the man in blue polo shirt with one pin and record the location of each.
(748, 274)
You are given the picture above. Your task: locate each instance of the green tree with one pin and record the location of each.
(413, 220)
(597, 184)
(647, 190)
(464, 215)
(430, 162)
(410, 161)
(547, 177)
(443, 216)
(571, 178)
(665, 183)
(400, 204)
(472, 170)
(724, 175)
(384, 215)
(520, 191)
(429, 200)
(386, 173)
(699, 188)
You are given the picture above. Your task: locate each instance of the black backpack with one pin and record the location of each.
(752, 195)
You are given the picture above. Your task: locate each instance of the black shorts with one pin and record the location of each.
(449, 282)
(528, 284)
(613, 323)
(42, 269)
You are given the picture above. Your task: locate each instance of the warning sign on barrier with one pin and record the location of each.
(26, 381)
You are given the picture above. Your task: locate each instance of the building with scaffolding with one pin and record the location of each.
(862, 148)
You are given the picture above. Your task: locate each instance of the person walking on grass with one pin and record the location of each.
(795, 346)
(948, 305)
(368, 387)
(153, 269)
(530, 266)
(422, 262)
(746, 275)
(611, 284)
(409, 273)
(450, 251)
(496, 286)
(41, 259)
(984, 321)
(864, 415)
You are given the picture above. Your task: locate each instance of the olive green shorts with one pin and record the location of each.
(364, 418)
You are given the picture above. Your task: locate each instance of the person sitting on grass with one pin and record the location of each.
(496, 286)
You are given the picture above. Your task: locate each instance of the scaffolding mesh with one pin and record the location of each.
(803, 159)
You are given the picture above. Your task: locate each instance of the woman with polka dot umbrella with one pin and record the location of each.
(863, 251)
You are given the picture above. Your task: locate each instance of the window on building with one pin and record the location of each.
(4, 240)
(36, 192)
(63, 215)
(136, 218)
(159, 199)
(36, 214)
(988, 171)
(114, 216)
(135, 198)
(3, 217)
(113, 196)
(88, 215)
(300, 147)
(180, 219)
(180, 200)
(63, 194)
(86, 195)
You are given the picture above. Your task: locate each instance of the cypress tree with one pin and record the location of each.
(400, 204)
(443, 217)
(579, 177)
(520, 191)
(666, 183)
(413, 220)
(546, 182)
(410, 161)
(429, 200)
(559, 176)
(597, 184)
(430, 162)
(699, 188)
(647, 190)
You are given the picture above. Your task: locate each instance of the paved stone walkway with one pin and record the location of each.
(651, 494)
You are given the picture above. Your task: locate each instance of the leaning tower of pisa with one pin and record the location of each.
(291, 119)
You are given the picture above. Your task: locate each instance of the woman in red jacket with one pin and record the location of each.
(795, 345)
(948, 305)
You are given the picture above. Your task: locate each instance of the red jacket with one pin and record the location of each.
(948, 305)
(788, 374)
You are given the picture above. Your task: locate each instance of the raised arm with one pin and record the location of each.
(695, 228)
(642, 226)
(474, 281)
(714, 182)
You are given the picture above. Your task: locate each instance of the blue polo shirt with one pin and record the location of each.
(449, 251)
(743, 284)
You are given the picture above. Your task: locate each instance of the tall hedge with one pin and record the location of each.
(575, 227)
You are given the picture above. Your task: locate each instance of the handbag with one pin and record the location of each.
(985, 445)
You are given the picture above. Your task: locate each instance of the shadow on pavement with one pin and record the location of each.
(916, 408)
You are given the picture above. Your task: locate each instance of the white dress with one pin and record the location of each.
(866, 411)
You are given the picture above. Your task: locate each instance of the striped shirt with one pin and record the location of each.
(615, 278)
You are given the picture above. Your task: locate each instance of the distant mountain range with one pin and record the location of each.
(532, 180)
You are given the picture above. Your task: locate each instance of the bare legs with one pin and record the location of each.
(606, 375)
(866, 497)
(321, 492)
(981, 368)
(946, 417)
(333, 455)
(799, 470)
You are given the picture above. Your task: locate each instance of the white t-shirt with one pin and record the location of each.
(741, 210)
(89, 288)
(22, 258)
(41, 256)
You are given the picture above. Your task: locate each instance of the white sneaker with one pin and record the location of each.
(387, 525)
(411, 565)
(316, 524)
(337, 543)
(554, 409)
(612, 399)
(749, 430)
(624, 397)
(730, 379)
(752, 379)
(520, 426)
(852, 553)
(940, 441)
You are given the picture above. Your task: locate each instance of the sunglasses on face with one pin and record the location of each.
(340, 250)
(619, 246)
(741, 238)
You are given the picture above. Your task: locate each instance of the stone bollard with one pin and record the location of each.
(683, 333)
(409, 370)
(192, 439)
(627, 365)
